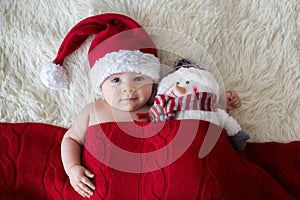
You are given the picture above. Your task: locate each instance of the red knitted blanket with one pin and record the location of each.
(31, 168)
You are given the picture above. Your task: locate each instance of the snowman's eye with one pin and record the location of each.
(187, 82)
(177, 83)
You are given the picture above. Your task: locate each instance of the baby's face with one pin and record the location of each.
(127, 91)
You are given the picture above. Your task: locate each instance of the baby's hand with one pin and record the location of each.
(80, 180)
(233, 100)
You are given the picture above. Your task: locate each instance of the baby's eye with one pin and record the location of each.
(115, 80)
(138, 78)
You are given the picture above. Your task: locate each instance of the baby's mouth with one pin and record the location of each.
(130, 99)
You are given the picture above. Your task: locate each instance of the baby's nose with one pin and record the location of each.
(128, 87)
(180, 90)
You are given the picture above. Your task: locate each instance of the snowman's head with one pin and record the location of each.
(188, 79)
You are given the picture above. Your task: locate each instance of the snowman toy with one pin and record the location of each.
(191, 92)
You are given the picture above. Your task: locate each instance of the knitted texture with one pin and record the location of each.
(222, 174)
(31, 168)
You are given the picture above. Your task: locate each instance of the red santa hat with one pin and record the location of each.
(120, 45)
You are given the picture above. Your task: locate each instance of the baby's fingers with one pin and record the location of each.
(89, 183)
(235, 103)
(84, 191)
(88, 174)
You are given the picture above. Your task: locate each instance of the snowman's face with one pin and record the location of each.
(183, 87)
(187, 81)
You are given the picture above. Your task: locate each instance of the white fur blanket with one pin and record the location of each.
(253, 47)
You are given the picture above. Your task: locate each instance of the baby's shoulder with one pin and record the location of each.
(86, 110)
(98, 105)
(98, 112)
(90, 107)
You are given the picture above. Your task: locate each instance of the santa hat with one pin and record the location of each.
(120, 45)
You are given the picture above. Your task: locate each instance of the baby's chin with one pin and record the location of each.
(127, 108)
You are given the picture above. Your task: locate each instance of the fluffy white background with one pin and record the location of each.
(253, 43)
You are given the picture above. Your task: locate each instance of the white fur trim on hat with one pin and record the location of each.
(54, 76)
(124, 61)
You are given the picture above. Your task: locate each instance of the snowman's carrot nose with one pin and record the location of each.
(180, 90)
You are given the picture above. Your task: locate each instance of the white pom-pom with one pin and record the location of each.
(54, 76)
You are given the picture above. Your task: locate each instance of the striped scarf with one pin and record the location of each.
(165, 107)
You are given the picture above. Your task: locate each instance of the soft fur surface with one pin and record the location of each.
(252, 46)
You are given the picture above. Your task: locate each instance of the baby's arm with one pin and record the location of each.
(71, 148)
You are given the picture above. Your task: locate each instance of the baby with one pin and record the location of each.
(124, 69)
(125, 94)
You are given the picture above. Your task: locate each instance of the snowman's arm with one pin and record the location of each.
(231, 126)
